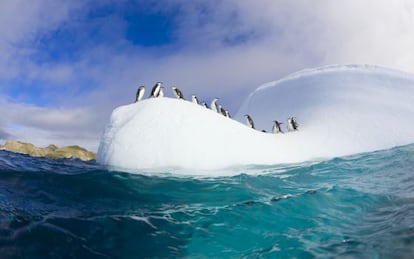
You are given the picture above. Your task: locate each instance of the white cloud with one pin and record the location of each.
(277, 37)
(44, 126)
(223, 48)
(21, 23)
(4, 136)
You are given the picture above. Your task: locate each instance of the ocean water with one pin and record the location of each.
(360, 206)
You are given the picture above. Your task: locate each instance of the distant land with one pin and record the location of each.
(51, 151)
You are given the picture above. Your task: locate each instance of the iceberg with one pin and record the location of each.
(341, 110)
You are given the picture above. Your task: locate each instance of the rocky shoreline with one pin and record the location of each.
(51, 151)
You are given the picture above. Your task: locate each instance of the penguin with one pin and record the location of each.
(156, 90)
(227, 114)
(161, 94)
(213, 105)
(204, 104)
(223, 111)
(140, 93)
(219, 107)
(177, 93)
(292, 124)
(194, 99)
(276, 127)
(249, 121)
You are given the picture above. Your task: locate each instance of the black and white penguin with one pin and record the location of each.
(223, 111)
(276, 127)
(249, 121)
(194, 99)
(227, 114)
(156, 90)
(204, 104)
(292, 124)
(161, 94)
(177, 93)
(219, 107)
(140, 93)
(214, 105)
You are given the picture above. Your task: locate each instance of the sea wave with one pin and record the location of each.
(357, 206)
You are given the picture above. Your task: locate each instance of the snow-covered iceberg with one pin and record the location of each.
(341, 110)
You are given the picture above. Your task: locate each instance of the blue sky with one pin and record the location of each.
(123, 27)
(65, 65)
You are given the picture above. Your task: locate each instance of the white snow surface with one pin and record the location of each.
(341, 110)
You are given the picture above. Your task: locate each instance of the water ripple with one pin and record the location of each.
(356, 206)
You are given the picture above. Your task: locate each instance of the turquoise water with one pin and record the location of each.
(357, 206)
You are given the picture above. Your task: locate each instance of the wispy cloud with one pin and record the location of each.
(70, 70)
(4, 135)
(43, 126)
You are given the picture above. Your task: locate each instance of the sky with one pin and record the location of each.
(66, 64)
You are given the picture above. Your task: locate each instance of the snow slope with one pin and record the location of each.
(341, 110)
